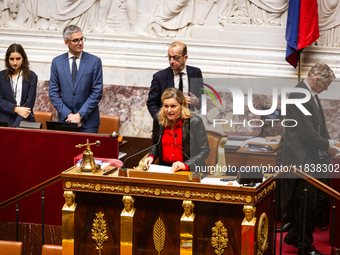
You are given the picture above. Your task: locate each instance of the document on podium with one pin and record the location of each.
(160, 169)
(260, 144)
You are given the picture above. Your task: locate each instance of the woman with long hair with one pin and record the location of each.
(179, 136)
(18, 85)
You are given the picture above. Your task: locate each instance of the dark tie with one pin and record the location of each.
(74, 70)
(180, 87)
(321, 111)
(318, 102)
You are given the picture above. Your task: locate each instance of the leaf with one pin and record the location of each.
(159, 235)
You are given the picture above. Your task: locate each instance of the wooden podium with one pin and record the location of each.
(221, 221)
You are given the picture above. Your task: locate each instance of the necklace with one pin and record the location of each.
(14, 90)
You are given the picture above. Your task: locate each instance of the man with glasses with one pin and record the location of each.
(76, 83)
(177, 75)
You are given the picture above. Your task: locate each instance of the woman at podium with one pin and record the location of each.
(18, 86)
(179, 137)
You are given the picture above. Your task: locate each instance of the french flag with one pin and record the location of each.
(302, 28)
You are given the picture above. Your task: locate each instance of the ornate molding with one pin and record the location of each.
(262, 234)
(99, 231)
(219, 238)
(159, 235)
(265, 191)
(188, 194)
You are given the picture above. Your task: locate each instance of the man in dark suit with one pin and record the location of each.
(177, 75)
(307, 146)
(76, 83)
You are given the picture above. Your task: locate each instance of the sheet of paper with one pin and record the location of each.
(160, 169)
(217, 181)
(260, 140)
(236, 142)
(121, 154)
(240, 137)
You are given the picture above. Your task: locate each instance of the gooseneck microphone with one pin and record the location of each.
(183, 151)
(159, 140)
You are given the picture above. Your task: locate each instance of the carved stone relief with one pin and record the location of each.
(161, 18)
(255, 12)
(329, 23)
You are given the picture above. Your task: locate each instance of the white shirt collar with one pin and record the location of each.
(309, 88)
(78, 57)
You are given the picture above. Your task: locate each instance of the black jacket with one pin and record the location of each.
(7, 100)
(194, 142)
(303, 142)
(164, 79)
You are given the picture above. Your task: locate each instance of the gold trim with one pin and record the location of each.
(262, 234)
(157, 192)
(68, 185)
(168, 192)
(127, 189)
(219, 238)
(265, 191)
(99, 231)
(159, 235)
(218, 196)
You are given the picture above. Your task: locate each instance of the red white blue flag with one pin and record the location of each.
(302, 28)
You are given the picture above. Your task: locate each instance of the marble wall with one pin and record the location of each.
(242, 38)
(30, 235)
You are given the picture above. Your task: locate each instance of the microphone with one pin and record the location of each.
(159, 140)
(183, 151)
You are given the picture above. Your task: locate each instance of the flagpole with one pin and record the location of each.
(299, 70)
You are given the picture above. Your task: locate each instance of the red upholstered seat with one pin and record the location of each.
(10, 248)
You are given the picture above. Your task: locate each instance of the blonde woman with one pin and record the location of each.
(179, 137)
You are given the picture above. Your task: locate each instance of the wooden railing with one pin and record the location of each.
(330, 191)
(27, 193)
(30, 191)
(325, 188)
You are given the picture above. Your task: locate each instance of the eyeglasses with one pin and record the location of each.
(76, 41)
(174, 57)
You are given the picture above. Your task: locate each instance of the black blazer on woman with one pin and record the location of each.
(195, 143)
(7, 101)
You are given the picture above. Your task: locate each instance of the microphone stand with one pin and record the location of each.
(195, 177)
(122, 170)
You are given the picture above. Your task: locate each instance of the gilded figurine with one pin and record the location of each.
(70, 203)
(188, 207)
(129, 208)
(249, 212)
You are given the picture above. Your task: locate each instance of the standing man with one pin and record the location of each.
(76, 83)
(177, 75)
(307, 146)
